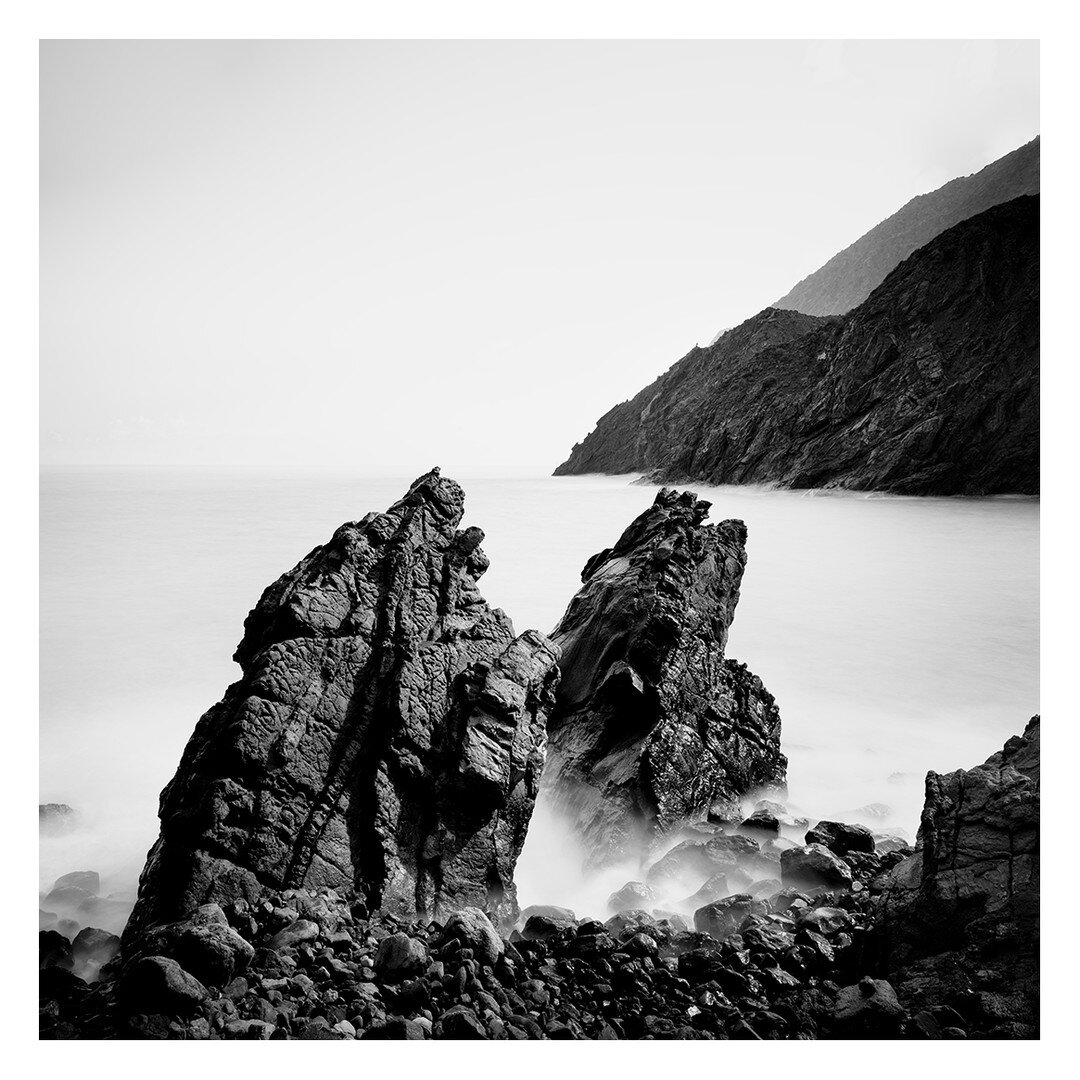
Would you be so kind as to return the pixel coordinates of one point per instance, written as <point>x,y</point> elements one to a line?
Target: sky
<point>384,255</point>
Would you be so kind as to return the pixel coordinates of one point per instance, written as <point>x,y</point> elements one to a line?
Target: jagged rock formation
<point>652,724</point>
<point>960,917</point>
<point>387,734</point>
<point>849,277</point>
<point>930,387</point>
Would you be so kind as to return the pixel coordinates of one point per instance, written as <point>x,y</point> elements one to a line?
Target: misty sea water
<point>897,634</point>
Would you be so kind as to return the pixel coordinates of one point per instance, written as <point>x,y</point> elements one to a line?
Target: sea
<point>898,635</point>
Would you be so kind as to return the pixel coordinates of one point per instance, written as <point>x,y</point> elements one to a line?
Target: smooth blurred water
<point>898,635</point>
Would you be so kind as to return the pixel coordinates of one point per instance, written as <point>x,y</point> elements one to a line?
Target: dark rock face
<point>928,387</point>
<point>960,917</point>
<point>841,838</point>
<point>849,277</point>
<point>387,733</point>
<point>812,867</point>
<point>652,724</point>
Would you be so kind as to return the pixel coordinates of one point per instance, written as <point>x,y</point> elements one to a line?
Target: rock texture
<point>387,734</point>
<point>960,917</point>
<point>653,725</point>
<point>849,277</point>
<point>929,387</point>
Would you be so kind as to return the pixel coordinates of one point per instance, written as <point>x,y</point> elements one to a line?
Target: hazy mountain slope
<point>849,277</point>
<point>928,387</point>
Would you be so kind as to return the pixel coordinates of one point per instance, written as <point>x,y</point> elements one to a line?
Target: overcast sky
<point>385,255</point>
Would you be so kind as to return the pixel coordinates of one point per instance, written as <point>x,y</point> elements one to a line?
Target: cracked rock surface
<point>653,725</point>
<point>961,915</point>
<point>386,735</point>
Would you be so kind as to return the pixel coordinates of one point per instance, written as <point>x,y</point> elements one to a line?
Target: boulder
<point>54,950</point>
<point>868,1010</point>
<point>722,918</point>
<point>475,931</point>
<point>459,1022</point>
<point>386,734</point>
<point>400,956</point>
<point>653,726</point>
<point>560,915</point>
<point>296,933</point>
<point>692,861</point>
<point>841,838</point>
<point>56,819</point>
<point>204,944</point>
<point>633,896</point>
<point>761,823</point>
<point>92,945</point>
<point>814,867</point>
<point>158,984</point>
<point>543,927</point>
<point>87,880</point>
<point>825,920</point>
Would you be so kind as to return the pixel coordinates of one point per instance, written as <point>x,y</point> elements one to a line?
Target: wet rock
<point>765,888</point>
<point>722,918</point>
<point>762,823</point>
<point>459,1022</point>
<point>387,732</point>
<point>841,838</point>
<point>96,946</point>
<point>473,929</point>
<point>691,860</point>
<point>400,956</point>
<point>87,880</point>
<point>826,920</point>
<point>540,927</point>
<point>203,944</point>
<point>633,896</point>
<point>297,932</point>
<point>652,725</point>
<point>159,984</point>
<point>812,867</point>
<point>54,950</point>
<point>560,915</point>
<point>715,888</point>
<point>868,1009</point>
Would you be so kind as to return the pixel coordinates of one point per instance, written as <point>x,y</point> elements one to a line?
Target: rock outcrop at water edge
<point>959,919</point>
<point>387,734</point>
<point>653,724</point>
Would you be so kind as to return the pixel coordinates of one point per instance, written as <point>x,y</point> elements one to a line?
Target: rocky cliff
<point>960,918</point>
<point>653,725</point>
<point>929,387</point>
<point>849,277</point>
<point>387,733</point>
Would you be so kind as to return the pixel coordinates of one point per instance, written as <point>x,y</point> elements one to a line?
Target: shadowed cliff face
<point>963,911</point>
<point>652,724</point>
<point>388,732</point>
<point>930,387</point>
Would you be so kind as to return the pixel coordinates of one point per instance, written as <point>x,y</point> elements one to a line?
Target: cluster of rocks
<point>389,731</point>
<point>74,903</point>
<point>338,845</point>
<point>800,955</point>
<point>786,960</point>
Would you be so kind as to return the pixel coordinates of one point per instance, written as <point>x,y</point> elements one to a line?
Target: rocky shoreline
<point>338,845</point>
